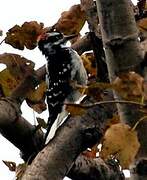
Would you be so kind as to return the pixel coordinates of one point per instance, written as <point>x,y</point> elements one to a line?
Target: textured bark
<point>120,35</point>
<point>122,50</point>
<point>89,7</point>
<point>23,135</point>
<point>56,159</point>
<point>19,131</point>
<point>93,169</point>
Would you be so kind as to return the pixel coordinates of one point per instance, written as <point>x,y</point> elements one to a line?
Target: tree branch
<point>19,131</point>
<point>78,133</point>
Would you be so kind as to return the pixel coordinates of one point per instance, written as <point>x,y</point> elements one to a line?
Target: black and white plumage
<point>63,66</point>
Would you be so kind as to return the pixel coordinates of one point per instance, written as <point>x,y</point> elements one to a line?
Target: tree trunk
<point>123,53</point>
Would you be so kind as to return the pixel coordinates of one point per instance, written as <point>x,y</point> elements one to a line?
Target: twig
<point>2,41</point>
<point>138,122</point>
<point>105,102</point>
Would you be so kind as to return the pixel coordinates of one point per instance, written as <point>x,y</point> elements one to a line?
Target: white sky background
<point>17,12</point>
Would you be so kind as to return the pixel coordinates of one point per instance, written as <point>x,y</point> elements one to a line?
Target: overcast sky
<point>17,12</point>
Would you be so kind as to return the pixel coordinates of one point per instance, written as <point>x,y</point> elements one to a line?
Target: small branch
<point>138,122</point>
<point>106,102</point>
<point>2,41</point>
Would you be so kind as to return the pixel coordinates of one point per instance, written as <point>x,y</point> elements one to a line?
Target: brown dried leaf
<point>11,165</point>
<point>72,21</point>
<point>39,107</point>
<point>142,24</point>
<point>75,110</point>
<point>89,64</point>
<point>18,66</point>
<point>129,86</point>
<point>122,142</point>
<point>95,90</point>
<point>7,82</point>
<point>25,35</point>
<point>114,120</point>
<point>37,94</point>
<point>36,98</point>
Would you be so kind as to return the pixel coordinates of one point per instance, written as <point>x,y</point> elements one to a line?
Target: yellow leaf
<point>122,142</point>
<point>7,82</point>
<point>17,68</point>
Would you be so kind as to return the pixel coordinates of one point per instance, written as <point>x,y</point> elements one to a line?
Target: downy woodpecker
<point>63,66</point>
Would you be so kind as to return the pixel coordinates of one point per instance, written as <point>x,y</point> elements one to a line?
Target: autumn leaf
<point>122,142</point>
<point>89,64</point>
<point>114,120</point>
<point>38,93</point>
<point>129,86</point>
<point>75,110</point>
<point>142,24</point>
<point>7,82</point>
<point>38,107</point>
<point>17,68</point>
<point>23,36</point>
<point>11,165</point>
<point>36,98</point>
<point>72,21</point>
<point>96,89</point>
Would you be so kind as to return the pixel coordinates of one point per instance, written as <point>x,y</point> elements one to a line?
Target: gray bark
<point>56,159</point>
<point>122,50</point>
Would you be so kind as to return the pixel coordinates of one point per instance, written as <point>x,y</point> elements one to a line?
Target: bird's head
<point>48,42</point>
